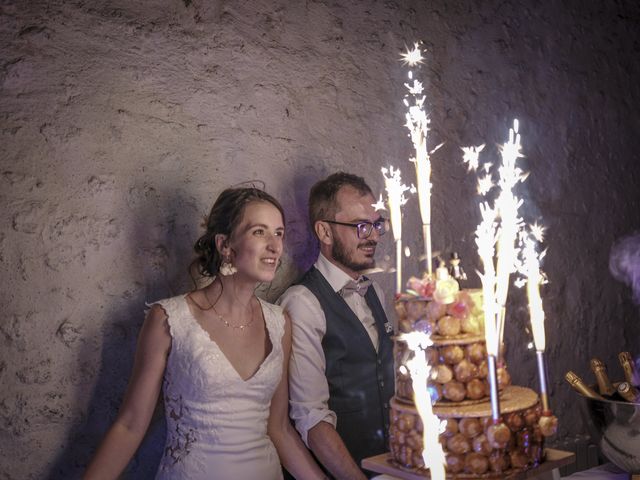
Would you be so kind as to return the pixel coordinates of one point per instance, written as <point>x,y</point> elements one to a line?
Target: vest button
<point>381,383</point>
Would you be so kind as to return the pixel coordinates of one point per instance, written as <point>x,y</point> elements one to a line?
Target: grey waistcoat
<point>360,379</point>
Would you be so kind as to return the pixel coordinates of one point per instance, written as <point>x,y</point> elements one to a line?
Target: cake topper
<point>455,269</point>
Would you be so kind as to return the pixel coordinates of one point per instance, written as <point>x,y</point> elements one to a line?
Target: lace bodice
<point>216,421</point>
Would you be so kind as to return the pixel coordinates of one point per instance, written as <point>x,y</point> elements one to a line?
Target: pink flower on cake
<point>461,307</point>
<point>422,287</point>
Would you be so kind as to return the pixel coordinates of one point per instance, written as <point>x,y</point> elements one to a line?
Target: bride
<point>220,355</point>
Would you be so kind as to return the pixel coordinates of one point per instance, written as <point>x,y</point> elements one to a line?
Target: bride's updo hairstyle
<point>225,216</point>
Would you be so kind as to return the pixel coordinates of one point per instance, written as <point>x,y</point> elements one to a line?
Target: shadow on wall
<point>160,250</point>
<point>301,247</point>
<point>303,243</point>
<point>118,349</point>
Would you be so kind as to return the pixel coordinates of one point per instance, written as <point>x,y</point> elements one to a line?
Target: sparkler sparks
<point>395,200</point>
<point>417,122</point>
<point>531,269</point>
<point>379,205</point>
<point>485,184</point>
<point>496,237</point>
<point>486,237</point>
<point>470,156</point>
<point>415,89</point>
<point>507,205</point>
<point>503,235</point>
<point>420,370</point>
<point>538,231</point>
<point>412,57</point>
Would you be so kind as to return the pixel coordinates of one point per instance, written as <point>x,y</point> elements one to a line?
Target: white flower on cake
<point>446,286</point>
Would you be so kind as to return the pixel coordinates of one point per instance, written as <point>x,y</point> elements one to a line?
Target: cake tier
<point>463,315</point>
<point>459,370</point>
<point>458,357</point>
<point>473,445</point>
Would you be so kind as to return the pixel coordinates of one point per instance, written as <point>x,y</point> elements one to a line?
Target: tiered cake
<point>474,445</point>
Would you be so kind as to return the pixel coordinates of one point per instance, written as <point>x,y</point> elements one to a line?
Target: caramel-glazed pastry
<point>474,445</point>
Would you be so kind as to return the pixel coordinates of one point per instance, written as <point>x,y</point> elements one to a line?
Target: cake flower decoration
<point>446,286</point>
<point>421,287</point>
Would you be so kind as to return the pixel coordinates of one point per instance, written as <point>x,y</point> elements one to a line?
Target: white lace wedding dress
<point>216,421</point>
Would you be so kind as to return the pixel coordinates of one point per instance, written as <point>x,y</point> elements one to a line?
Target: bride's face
<point>257,242</point>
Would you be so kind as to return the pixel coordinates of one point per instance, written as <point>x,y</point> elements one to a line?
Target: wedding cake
<point>473,443</point>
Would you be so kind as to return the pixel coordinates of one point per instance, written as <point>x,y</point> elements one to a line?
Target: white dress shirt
<point>308,387</point>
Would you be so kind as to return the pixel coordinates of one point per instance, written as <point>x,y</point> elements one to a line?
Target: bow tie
<point>359,286</point>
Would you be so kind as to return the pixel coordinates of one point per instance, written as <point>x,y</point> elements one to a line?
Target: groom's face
<point>352,253</point>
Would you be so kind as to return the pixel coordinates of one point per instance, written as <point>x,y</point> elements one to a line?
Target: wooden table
<point>549,468</point>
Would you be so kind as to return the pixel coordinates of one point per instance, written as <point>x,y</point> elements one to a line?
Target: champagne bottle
<point>605,387</point>
<point>629,367</point>
<point>629,392</point>
<point>579,386</point>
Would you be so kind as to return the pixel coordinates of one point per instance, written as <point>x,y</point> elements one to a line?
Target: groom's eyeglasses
<point>364,229</point>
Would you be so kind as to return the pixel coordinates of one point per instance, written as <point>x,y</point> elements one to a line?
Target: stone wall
<point>121,121</point>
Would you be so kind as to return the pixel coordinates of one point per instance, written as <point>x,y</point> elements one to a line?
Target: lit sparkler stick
<point>418,125</point>
<point>531,269</point>
<point>432,452</point>
<point>395,200</point>
<point>507,205</point>
<point>486,241</point>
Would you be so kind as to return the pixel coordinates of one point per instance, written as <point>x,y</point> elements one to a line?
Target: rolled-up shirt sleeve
<point>308,387</point>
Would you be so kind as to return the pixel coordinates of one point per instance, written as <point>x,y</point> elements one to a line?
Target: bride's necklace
<point>226,323</point>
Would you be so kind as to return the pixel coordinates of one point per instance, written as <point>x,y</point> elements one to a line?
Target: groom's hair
<point>322,197</point>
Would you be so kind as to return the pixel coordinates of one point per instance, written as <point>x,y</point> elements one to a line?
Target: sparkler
<point>432,452</point>
<point>486,238</point>
<point>506,205</point>
<point>395,200</point>
<point>510,223</point>
<point>418,125</point>
<point>531,269</point>
<point>496,237</point>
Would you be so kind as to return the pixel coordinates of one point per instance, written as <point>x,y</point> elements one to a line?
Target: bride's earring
<point>226,267</point>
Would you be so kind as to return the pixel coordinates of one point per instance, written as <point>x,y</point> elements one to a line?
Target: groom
<point>341,368</point>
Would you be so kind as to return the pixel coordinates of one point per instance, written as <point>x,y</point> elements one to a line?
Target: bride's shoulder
<point>168,303</point>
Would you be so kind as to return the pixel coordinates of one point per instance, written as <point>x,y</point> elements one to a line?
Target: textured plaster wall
<point>121,121</point>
